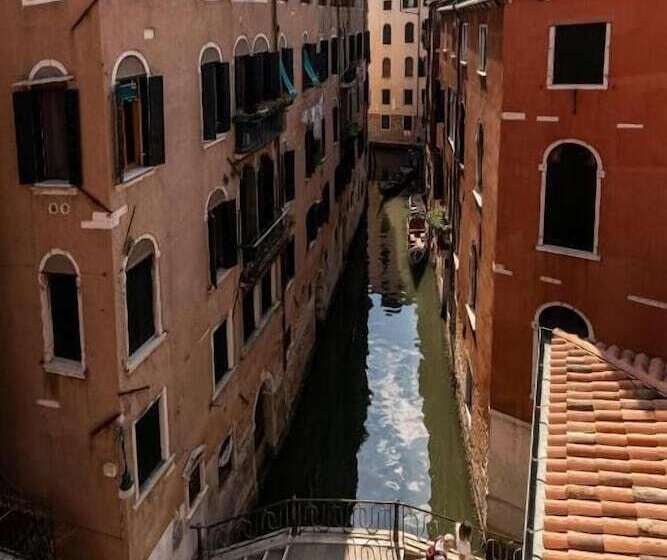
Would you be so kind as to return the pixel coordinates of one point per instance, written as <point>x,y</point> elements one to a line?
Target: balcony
<point>258,255</point>
<point>256,130</point>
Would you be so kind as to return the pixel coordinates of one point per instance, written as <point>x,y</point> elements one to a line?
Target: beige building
<point>180,182</point>
<point>397,71</point>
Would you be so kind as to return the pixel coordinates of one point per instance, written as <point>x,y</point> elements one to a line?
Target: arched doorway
<point>559,316</point>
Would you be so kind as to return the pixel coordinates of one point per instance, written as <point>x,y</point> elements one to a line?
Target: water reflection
<point>378,419</point>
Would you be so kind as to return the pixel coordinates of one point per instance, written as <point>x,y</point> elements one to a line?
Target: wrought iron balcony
<point>253,131</point>
<point>258,255</point>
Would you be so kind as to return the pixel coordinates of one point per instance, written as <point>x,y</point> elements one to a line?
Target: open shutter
<point>288,175</point>
<point>240,63</point>
<point>230,242</point>
<point>224,97</point>
<point>73,136</point>
<point>334,55</point>
<point>272,75</point>
<point>212,248</point>
<point>155,153</point>
<point>209,100</point>
<point>288,63</point>
<point>255,84</point>
<point>26,135</point>
<point>118,126</point>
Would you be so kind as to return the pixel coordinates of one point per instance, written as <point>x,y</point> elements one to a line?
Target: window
<point>464,43</point>
<point>141,295</point>
<point>195,482</point>
<point>223,351</point>
<point>260,419</point>
<point>565,318</point>
<point>310,62</point>
<point>384,122</point>
<point>225,460</point>
<point>215,94</point>
<point>479,176</point>
<point>313,148</point>
<point>386,5</point>
<point>481,63</point>
<point>472,278</point>
<point>579,55</point>
<point>248,314</point>
<point>409,32</point>
<point>386,68</point>
<point>151,445</point>
<point>287,62</point>
<point>386,34</point>
<point>249,216</point>
<point>334,55</point>
<point>256,76</point>
<point>386,96</point>
<point>407,4</point>
<point>409,67</point>
<point>59,279</point>
<point>323,60</point>
<point>421,65</point>
<point>289,185</point>
<point>266,199</point>
<point>312,224</point>
<point>571,198</point>
<point>407,97</point>
<point>222,241</point>
<point>288,262</point>
<point>48,141</point>
<point>407,123</point>
<point>451,115</point>
<point>469,392</point>
<point>139,119</point>
<point>266,292</point>
<point>461,134</point>
<point>334,119</point>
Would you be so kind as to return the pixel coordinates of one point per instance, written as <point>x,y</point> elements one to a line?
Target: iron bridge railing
<point>394,519</point>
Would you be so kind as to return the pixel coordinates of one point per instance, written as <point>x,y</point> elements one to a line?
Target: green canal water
<point>377,418</point>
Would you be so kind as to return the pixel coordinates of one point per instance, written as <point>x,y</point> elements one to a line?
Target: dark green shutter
<point>271,75</point>
<point>155,152</point>
<point>209,100</point>
<point>230,241</point>
<point>224,97</point>
<point>26,135</point>
<point>255,81</point>
<point>72,122</point>
<point>334,55</point>
<point>240,64</point>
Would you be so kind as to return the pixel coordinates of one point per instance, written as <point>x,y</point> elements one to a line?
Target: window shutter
<point>230,255</point>
<point>26,135</point>
<point>212,248</point>
<point>274,85</point>
<point>118,122</point>
<point>334,118</point>
<point>208,100</point>
<point>73,136</point>
<point>288,63</point>
<point>324,60</point>
<point>288,174</point>
<point>240,63</point>
<point>249,205</point>
<point>155,153</point>
<point>224,97</point>
<point>256,81</point>
<point>334,55</point>
<point>367,45</point>
<point>310,152</point>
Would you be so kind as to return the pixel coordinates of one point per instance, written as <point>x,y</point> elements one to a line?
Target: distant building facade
<point>397,71</point>
<point>180,184</point>
<point>549,172</point>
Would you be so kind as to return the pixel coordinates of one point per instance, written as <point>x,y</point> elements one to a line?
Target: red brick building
<point>545,154</point>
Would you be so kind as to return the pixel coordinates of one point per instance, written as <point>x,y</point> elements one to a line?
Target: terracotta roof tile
<point>605,488</point>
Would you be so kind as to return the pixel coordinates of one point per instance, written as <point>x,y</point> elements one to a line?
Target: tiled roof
<point>603,454</point>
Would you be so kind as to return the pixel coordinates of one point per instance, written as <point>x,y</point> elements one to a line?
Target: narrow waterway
<point>377,419</point>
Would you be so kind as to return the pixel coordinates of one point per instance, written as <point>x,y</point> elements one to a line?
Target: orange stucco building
<point>545,154</point>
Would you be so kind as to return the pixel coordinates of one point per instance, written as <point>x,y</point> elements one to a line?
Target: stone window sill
<point>478,197</point>
<point>152,481</point>
<point>223,383</point>
<point>206,144</point>
<point>586,255</point>
<point>134,176</point>
<point>197,503</point>
<point>220,276</point>
<point>65,367</point>
<point>259,329</point>
<point>144,351</point>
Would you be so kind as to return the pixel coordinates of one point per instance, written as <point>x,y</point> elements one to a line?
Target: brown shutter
<point>209,100</point>
<point>25,123</point>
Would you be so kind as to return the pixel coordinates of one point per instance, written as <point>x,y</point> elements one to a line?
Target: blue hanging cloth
<point>289,86</point>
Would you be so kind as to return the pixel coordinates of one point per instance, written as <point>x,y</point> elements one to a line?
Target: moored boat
<point>417,231</point>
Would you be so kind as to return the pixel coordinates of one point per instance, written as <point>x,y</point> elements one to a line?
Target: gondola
<point>417,231</point>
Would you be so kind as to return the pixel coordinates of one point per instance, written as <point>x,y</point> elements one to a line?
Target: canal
<point>377,418</point>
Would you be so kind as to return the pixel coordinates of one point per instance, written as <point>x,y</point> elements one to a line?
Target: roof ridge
<point>650,371</point>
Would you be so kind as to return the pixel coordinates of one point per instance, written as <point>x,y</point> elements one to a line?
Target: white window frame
<point>220,136</point>
<point>482,49</point>
<point>543,167</point>
<point>53,364</point>
<point>167,457</point>
<point>194,465</point>
<point>231,354</point>
<point>552,53</point>
<point>132,361</point>
<point>463,48</point>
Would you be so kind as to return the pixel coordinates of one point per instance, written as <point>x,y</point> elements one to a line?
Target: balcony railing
<point>259,254</point>
<point>253,131</point>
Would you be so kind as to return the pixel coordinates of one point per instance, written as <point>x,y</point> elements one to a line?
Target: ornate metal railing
<point>392,520</point>
<point>258,129</point>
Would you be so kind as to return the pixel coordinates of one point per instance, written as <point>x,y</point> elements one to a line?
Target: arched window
<point>62,314</point>
<point>142,295</point>
<point>479,177</point>
<point>409,67</point>
<point>409,32</point>
<point>215,93</point>
<point>386,34</point>
<point>571,192</point>
<point>566,318</point>
<point>386,68</point>
<point>222,240</point>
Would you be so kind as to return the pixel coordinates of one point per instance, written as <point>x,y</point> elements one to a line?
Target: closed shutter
<point>230,255</point>
<point>73,129</point>
<point>271,75</point>
<point>209,100</point>
<point>288,175</point>
<point>334,55</point>
<point>139,299</point>
<point>212,248</point>
<point>223,97</point>
<point>65,316</point>
<point>25,123</point>
<point>156,153</point>
<point>240,68</point>
<point>255,81</point>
